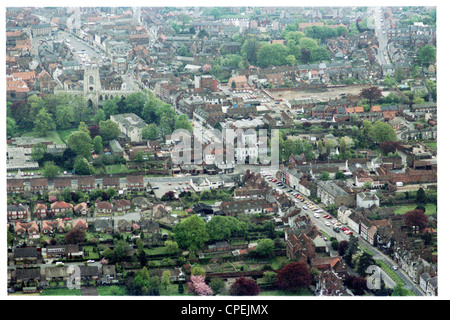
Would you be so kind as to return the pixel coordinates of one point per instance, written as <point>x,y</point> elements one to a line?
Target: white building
<point>367,199</point>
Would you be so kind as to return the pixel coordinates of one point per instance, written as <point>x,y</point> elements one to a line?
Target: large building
<point>130,125</point>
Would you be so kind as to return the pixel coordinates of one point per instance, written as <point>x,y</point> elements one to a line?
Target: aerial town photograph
<point>220,151</point>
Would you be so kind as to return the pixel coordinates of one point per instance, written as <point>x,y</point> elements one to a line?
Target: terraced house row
<point>77,183</point>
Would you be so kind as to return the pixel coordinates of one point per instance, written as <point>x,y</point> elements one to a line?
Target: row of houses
<point>81,183</point>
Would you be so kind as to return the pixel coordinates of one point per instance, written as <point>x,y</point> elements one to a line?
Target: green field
<point>432,145</point>
<point>430,209</point>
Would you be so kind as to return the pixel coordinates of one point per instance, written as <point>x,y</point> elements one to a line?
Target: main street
<point>340,236</point>
<point>381,28</point>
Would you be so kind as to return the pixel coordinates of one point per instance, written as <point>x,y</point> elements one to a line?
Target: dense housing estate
<point>341,101</point>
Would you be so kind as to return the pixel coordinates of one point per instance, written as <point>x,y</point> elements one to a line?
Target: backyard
<point>430,209</point>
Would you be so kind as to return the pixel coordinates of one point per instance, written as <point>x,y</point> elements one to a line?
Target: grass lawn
<point>61,292</point>
<point>155,251</point>
<point>429,207</point>
<point>117,168</point>
<point>278,262</point>
<point>111,291</point>
<point>89,253</point>
<point>390,272</point>
<point>432,145</point>
<point>64,134</point>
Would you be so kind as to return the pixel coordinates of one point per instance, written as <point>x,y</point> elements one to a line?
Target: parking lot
<point>161,188</point>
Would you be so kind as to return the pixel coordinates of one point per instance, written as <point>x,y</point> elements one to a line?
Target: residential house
<point>432,287</point>
<point>104,207</point>
<point>61,208</point>
<point>54,274</point>
<point>60,184</point>
<point>236,207</point>
<point>27,277</point>
<point>64,251</point>
<point>40,210</point>
<point>26,256</point>
<point>135,182</point>
<point>80,224</point>
<point>353,221</point>
<point>86,184</point>
<point>343,213</point>
<point>38,185</point>
<point>335,264</point>
<point>105,225</point>
<point>81,209</point>
<point>142,203</point>
<point>330,193</point>
<point>15,186</point>
<point>23,229</point>
<point>151,229</point>
<point>52,226</point>
<point>124,225</point>
<point>367,200</point>
<point>17,212</point>
<point>89,273</point>
<point>122,205</point>
<point>238,83</point>
<point>111,182</point>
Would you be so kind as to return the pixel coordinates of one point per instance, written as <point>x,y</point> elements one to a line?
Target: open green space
<point>430,208</point>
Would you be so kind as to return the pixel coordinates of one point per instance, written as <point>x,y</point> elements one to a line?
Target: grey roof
<point>332,188</point>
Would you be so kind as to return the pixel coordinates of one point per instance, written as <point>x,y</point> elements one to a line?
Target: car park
<point>327,223</point>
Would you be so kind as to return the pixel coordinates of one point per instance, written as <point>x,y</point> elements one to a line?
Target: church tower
<point>92,85</point>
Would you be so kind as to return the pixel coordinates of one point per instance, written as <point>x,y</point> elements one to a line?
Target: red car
<point>344,229</point>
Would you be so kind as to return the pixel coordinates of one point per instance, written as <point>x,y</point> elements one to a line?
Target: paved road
<point>377,255</point>
<point>381,28</point>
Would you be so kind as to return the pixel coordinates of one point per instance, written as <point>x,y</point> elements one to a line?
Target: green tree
<point>50,169</point>
<point>191,233</point>
<point>319,54</point>
<point>290,60</point>
<point>109,130</point>
<point>364,262</point>
<point>80,142</point>
<point>427,54</point>
<point>381,131</point>
<point>399,291</point>
<point>150,132</point>
<point>324,176</point>
<point>110,107</point>
<point>171,247</point>
<point>82,166</point>
<point>43,123</point>
<point>182,122</point>
<point>64,116</point>
<point>165,279</point>
<point>249,50</point>
<point>99,116</point>
<point>11,126</point>
<point>272,54</point>
<point>97,144</point>
<point>38,151</point>
<point>265,248</point>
